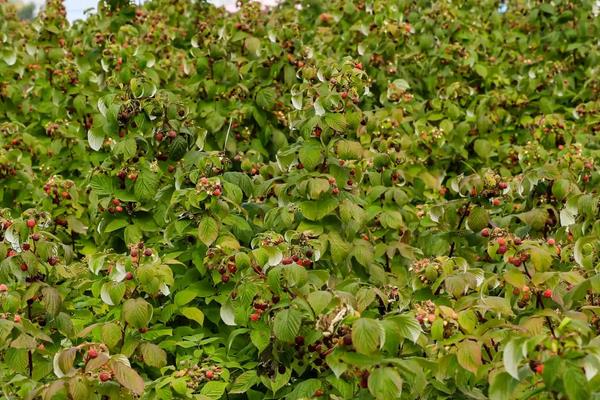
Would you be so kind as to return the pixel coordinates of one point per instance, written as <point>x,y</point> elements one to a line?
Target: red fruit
<point>35,237</point>
<point>24,267</point>
<point>159,136</point>
<point>11,253</point>
<point>171,168</point>
<point>3,288</point>
<point>299,340</point>
<point>17,318</point>
<point>501,241</point>
<point>501,250</point>
<point>209,374</point>
<point>65,195</point>
<point>539,369</point>
<point>364,382</point>
<point>551,242</point>
<point>129,276</point>
<point>172,134</point>
<point>143,330</point>
<point>496,202</point>
<point>133,252</point>
<point>232,268</point>
<point>485,232</point>
<point>348,340</point>
<point>525,289</point>
<point>104,376</point>
<point>516,291</point>
<point>335,191</point>
<point>119,209</point>
<point>132,176</point>
<point>344,95</point>
<point>31,223</point>
<point>503,185</point>
<point>318,393</point>
<point>518,241</point>
<point>331,181</point>
<point>92,353</point>
<point>300,166</point>
<point>6,224</point>
<point>116,202</point>
<point>295,258</point>
<point>287,260</point>
<point>547,293</point>
<point>52,260</point>
<point>358,66</point>
<point>515,261</point>
<point>255,317</point>
<point>148,252</point>
<point>225,278</point>
<point>217,192</point>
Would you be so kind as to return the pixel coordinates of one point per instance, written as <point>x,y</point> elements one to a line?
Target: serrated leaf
<point>367,335</point>
<point>208,230</point>
<point>286,324</point>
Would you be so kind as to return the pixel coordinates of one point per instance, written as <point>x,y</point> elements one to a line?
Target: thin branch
<point>460,222</point>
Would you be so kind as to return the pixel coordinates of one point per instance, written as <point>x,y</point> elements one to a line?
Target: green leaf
<point>286,324</point>
<point>111,334</point>
<point>152,355</point>
<point>367,335</point>
<point>193,313</point>
<point>469,355</point>
<point>576,386</point>
<point>146,185</point>
<point>126,376</point>
<point>316,210</point>
<point>213,390</point>
<point>337,122</point>
<point>310,155</point>
<point>244,382</point>
<point>385,383</point>
<point>512,357</point>
<point>502,386</point>
<point>266,97</point>
<point>208,230</point>
<point>137,312</point>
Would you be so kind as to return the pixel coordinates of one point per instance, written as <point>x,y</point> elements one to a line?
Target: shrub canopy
<point>348,199</point>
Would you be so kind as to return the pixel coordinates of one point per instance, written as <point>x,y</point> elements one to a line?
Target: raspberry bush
<point>342,199</point>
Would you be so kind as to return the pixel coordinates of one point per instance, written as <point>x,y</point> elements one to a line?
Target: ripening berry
<point>31,223</point>
<point>148,252</point>
<point>501,250</point>
<point>17,318</point>
<point>551,242</point>
<point>335,191</point>
<point>159,136</point>
<point>133,252</point>
<point>496,202</point>
<point>539,369</point>
<point>358,66</point>
<point>104,376</point>
<point>547,293</point>
<point>287,260</point>
<point>225,278</point>
<point>119,209</point>
<point>3,288</point>
<point>255,317</point>
<point>24,267</point>
<point>116,202</point>
<point>92,353</point>
<point>11,253</point>
<point>485,232</point>
<point>501,241</point>
<point>299,340</point>
<point>217,192</point>
<point>502,185</point>
<point>35,237</point>
<point>209,374</point>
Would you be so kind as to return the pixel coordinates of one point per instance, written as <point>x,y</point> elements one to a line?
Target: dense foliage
<point>338,199</point>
